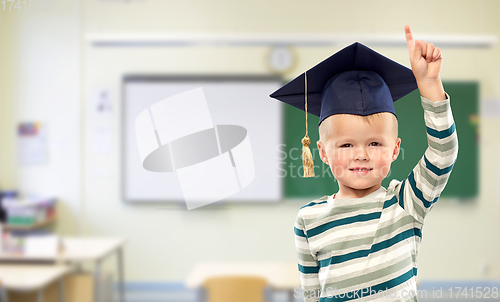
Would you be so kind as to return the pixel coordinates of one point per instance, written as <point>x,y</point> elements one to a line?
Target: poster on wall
<point>32,143</point>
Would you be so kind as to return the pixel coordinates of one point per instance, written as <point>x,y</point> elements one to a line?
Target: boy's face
<point>353,143</point>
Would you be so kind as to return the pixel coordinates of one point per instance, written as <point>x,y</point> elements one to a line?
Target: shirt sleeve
<point>308,263</point>
<point>418,193</point>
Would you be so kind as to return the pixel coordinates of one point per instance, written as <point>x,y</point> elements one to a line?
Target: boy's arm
<point>424,185</point>
<point>422,188</point>
<point>308,264</point>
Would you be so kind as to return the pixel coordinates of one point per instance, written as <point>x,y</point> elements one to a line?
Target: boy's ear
<point>322,151</point>
<point>397,147</point>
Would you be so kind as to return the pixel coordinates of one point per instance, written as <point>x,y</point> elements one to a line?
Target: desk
<point>280,275</point>
<point>26,278</point>
<point>79,249</point>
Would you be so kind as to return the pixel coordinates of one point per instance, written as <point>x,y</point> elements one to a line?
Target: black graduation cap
<point>355,80</point>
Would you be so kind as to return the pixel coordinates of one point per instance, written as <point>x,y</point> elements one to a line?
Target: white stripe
<point>356,230</point>
<point>380,257</point>
<point>437,122</point>
<point>368,270</point>
<point>377,281</point>
<point>441,159</point>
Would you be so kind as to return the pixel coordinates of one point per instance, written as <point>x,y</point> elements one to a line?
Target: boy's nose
<point>361,154</point>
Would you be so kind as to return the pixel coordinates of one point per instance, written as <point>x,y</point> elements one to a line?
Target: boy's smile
<point>358,153</point>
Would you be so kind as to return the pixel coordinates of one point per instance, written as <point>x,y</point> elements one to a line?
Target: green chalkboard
<point>463,181</point>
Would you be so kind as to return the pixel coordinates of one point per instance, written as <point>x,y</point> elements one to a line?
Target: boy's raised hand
<point>426,63</point>
<point>425,59</point>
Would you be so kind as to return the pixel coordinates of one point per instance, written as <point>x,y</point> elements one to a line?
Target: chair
<point>235,289</point>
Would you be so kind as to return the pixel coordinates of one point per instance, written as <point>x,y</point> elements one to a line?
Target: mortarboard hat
<point>355,80</point>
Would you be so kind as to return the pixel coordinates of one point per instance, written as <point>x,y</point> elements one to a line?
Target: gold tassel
<point>307,160</point>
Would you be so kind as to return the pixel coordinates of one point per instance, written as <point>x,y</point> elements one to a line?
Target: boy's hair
<point>386,117</point>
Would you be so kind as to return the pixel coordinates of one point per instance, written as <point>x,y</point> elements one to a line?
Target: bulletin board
<point>231,100</point>
<point>463,181</point>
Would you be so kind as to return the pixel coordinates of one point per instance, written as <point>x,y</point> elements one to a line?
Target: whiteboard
<point>231,100</point>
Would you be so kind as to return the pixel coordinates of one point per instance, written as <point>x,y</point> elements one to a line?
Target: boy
<point>361,243</point>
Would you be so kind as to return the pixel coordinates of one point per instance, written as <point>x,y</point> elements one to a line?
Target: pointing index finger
<point>409,40</point>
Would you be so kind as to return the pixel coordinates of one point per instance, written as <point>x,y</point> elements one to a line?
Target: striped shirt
<point>365,249</point>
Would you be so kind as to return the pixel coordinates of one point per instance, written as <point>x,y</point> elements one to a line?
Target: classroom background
<point>55,62</point>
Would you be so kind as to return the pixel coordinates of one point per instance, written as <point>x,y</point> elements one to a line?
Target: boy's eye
<point>349,145</point>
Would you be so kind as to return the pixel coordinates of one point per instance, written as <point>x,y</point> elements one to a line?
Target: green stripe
<point>305,257</point>
<point>390,202</point>
<point>365,291</point>
<point>416,206</point>
<point>441,134</point>
<point>435,182</point>
<point>443,147</point>
<point>405,220</point>
<point>384,245</point>
<point>339,246</point>
<point>299,232</point>
<point>420,211</point>
<point>438,171</point>
<point>343,210</point>
<point>322,200</point>
<point>308,269</point>
<point>418,193</point>
<point>436,109</point>
<point>372,275</point>
<point>342,221</point>
<point>401,194</point>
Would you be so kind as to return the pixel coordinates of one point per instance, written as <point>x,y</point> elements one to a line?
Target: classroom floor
<point>161,292</point>
<point>158,293</point>
<point>155,293</point>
